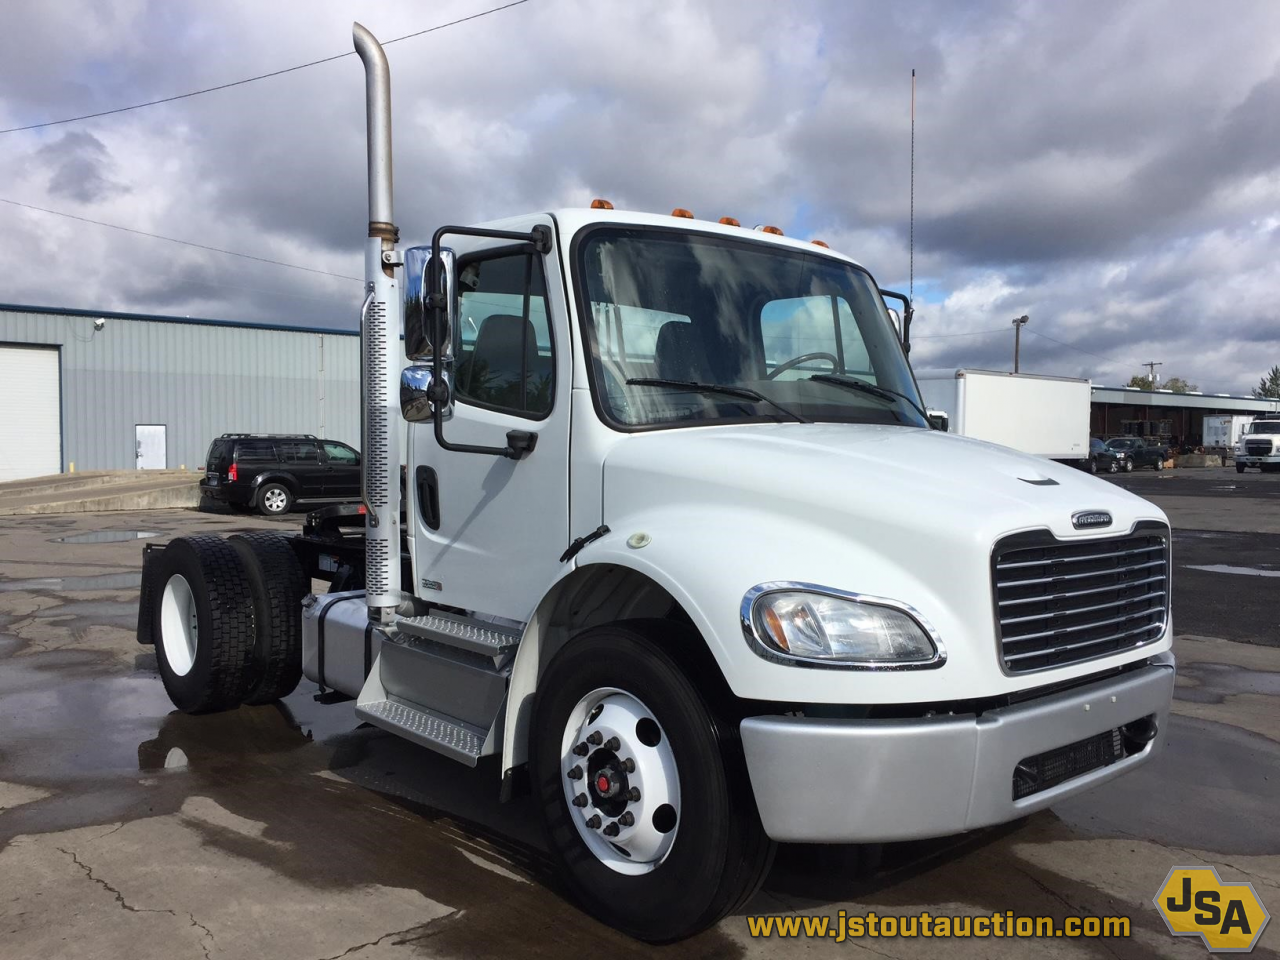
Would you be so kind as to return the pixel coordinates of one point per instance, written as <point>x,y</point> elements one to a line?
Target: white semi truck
<point>1044,416</point>
<point>679,548</point>
<point>1259,445</point>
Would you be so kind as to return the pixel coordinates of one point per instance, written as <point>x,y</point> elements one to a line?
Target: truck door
<point>341,471</point>
<point>501,524</point>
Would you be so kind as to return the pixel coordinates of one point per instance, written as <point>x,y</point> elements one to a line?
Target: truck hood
<point>887,476</point>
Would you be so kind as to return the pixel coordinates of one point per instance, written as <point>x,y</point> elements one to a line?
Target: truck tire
<point>1093,465</point>
<point>1239,468</point>
<point>202,611</point>
<point>1112,467</point>
<point>278,584</point>
<point>274,500</point>
<point>613,696</point>
<point>1128,466</point>
<point>1159,464</point>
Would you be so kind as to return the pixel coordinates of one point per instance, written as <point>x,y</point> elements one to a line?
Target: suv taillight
<point>231,473</point>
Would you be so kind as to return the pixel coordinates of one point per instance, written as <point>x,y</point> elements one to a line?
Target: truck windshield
<point>1271,426</point>
<point>669,314</point>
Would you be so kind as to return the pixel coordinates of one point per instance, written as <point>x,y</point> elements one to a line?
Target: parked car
<point>1103,460</point>
<point>1140,452</point>
<point>272,472</point>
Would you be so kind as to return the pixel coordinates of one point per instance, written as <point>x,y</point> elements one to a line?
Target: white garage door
<point>30,413</point>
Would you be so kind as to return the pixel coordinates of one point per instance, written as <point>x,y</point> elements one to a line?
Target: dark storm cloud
<point>1108,168</point>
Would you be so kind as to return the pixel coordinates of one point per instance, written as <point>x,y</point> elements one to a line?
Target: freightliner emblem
<point>1088,519</point>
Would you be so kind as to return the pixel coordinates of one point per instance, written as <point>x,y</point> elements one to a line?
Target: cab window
<point>503,341</point>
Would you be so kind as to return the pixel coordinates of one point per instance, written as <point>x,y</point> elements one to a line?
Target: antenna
<point>911,221</point>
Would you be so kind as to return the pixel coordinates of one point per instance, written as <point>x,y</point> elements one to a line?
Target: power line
<point>1072,346</point>
<point>185,243</point>
<point>971,333</point>
<point>261,76</point>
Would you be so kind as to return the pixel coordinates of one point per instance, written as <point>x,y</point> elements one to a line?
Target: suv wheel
<point>274,499</point>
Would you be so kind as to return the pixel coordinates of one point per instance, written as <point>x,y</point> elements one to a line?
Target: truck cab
<point>682,554</point>
<point>1259,445</point>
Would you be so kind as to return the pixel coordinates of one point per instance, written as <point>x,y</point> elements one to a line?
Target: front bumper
<point>857,781</point>
<point>1253,460</point>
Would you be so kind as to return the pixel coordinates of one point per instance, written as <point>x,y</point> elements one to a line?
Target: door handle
<point>428,485</point>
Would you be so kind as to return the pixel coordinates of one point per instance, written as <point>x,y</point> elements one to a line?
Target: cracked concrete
<point>131,832</point>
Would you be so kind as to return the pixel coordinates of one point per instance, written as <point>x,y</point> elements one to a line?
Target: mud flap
<point>150,554</point>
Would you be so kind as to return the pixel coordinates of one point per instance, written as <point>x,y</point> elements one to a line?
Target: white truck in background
<point>681,554</point>
<point>1043,416</point>
<point>1221,432</point>
<point>1259,445</point>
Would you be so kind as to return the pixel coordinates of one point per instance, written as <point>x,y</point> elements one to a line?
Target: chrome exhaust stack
<point>380,325</point>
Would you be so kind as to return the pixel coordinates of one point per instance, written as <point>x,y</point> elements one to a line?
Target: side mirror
<point>939,420</point>
<point>419,335</point>
<point>415,400</point>
<point>896,317</point>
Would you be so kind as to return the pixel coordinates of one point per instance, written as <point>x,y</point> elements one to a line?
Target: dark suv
<point>272,472</point>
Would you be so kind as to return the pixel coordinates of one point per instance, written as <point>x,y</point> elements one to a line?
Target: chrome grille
<point>1258,448</point>
<point>1061,602</point>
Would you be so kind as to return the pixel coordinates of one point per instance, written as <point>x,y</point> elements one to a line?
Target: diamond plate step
<point>479,637</point>
<point>434,731</point>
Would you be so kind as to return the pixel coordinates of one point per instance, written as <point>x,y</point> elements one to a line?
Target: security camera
<point>99,323</point>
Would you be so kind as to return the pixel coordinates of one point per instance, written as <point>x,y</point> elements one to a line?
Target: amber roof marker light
<point>730,222</point>
<point>764,228</point>
<point>821,243</point>
<point>598,204</point>
<point>683,213</point>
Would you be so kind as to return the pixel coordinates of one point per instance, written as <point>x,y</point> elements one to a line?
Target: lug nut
<point>581,750</point>
<point>633,795</point>
<point>611,830</point>
<point>629,765</point>
<point>593,822</point>
<point>612,743</point>
<point>580,800</point>
<point>627,819</point>
<point>595,738</point>
<point>575,773</point>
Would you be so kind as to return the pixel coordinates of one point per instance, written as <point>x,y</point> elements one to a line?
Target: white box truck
<point>1222,432</point>
<point>1043,416</point>
<point>681,554</point>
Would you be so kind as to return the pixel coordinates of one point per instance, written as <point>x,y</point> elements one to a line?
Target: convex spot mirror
<point>415,399</point>
<point>896,317</point>
<point>419,321</point>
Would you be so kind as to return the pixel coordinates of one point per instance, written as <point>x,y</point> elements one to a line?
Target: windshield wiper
<point>871,389</point>
<point>742,393</point>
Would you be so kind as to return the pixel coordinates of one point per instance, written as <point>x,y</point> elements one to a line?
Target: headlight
<point>837,628</point>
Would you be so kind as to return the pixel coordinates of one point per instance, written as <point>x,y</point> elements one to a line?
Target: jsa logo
<point>1228,917</point>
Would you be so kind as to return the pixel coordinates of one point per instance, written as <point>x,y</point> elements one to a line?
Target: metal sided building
<point>120,391</point>
<point>1173,417</point>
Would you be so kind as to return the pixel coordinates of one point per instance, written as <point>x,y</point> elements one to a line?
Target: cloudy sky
<point>1112,170</point>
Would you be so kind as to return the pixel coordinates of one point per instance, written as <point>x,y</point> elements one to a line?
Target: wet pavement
<point>128,830</point>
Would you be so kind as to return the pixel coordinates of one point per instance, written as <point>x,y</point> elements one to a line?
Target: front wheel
<point>1093,466</point>
<point>1113,468</point>
<point>1239,468</point>
<point>1128,466</point>
<point>643,787</point>
<point>1159,465</point>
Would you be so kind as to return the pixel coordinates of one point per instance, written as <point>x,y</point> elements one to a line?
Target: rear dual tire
<point>226,620</point>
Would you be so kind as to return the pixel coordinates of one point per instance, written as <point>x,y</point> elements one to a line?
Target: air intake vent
<point>1062,602</point>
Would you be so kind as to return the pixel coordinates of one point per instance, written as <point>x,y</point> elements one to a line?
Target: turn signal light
<point>820,243</point>
<point>682,212</point>
<point>598,204</point>
<point>774,230</point>
<point>232,473</point>
<point>730,222</point>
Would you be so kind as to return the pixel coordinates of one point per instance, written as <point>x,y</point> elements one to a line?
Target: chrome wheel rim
<point>620,781</point>
<point>179,626</point>
<point>275,500</point>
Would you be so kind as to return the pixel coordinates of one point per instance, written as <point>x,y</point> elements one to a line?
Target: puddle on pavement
<point>1228,568</point>
<point>1213,682</point>
<point>102,581</point>
<point>106,536</point>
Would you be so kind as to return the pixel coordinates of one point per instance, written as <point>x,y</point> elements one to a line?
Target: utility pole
<point>1151,371</point>
<point>1018,324</point>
